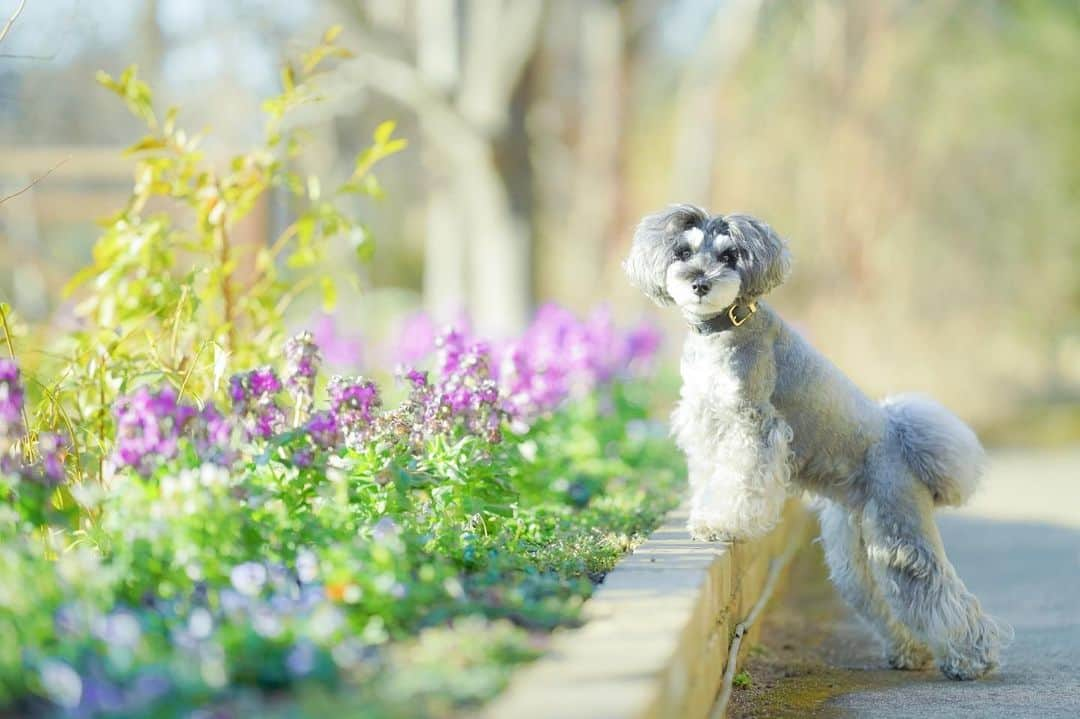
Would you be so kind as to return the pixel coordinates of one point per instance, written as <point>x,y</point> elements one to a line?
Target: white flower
<point>61,683</point>
<point>212,475</point>
<point>325,620</point>
<point>120,629</point>
<point>301,659</point>
<point>248,578</point>
<point>307,566</point>
<point>200,623</point>
<point>528,450</point>
<point>385,528</point>
<point>266,623</point>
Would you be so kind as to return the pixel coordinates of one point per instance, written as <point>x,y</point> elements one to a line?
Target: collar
<point>734,316</point>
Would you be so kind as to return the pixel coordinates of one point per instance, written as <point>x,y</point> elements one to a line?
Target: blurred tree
<point>463,108</point>
<point>697,132</point>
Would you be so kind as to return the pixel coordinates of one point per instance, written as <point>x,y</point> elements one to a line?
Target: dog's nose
<point>700,287</point>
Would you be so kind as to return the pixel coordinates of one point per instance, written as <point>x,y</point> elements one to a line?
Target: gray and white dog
<point>762,415</point>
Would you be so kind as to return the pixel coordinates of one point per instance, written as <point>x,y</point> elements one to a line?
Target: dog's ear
<point>764,259</point>
<point>653,248</point>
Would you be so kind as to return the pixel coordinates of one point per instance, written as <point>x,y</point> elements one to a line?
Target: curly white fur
<point>738,458</point>
<point>763,415</point>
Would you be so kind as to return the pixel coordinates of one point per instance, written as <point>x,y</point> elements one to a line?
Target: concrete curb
<point>658,630</point>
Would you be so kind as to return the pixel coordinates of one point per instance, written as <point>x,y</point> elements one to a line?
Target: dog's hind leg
<point>908,561</point>
<point>849,570</point>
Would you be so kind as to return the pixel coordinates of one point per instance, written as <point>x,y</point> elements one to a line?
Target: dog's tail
<point>939,448</point>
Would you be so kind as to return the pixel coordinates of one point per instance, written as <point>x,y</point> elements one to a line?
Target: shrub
<point>397,556</point>
<point>195,540</point>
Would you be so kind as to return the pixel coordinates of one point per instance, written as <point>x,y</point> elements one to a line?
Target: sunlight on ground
<point>1029,485</point>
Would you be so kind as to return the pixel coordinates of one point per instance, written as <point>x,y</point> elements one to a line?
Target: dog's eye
<point>683,255</point>
<point>728,257</point>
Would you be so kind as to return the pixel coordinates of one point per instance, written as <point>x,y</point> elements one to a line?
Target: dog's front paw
<point>909,656</point>
<point>976,655</point>
<point>965,667</point>
<point>703,531</point>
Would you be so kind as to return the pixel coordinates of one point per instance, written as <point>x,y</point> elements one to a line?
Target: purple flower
<point>352,402</point>
<point>254,402</point>
<point>302,361</point>
<point>148,427</point>
<point>417,379</point>
<point>264,381</point>
<point>559,355</point>
<point>53,449</point>
<point>323,430</point>
<point>338,350</point>
<point>416,339</point>
<point>642,343</point>
<point>237,390</point>
<point>212,434</point>
<point>303,458</point>
<point>465,392</point>
<point>11,401</point>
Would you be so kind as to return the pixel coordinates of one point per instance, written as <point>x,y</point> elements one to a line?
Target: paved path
<point>1017,546</point>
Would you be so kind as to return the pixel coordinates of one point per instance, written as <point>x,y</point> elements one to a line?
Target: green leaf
<point>384,131</point>
<point>362,244</point>
<point>150,142</point>
<point>106,80</point>
<point>393,146</point>
<point>288,77</point>
<point>221,366</point>
<point>170,120</point>
<point>371,187</point>
<point>329,293</point>
<point>305,229</point>
<point>80,277</point>
<point>301,258</point>
<point>331,34</point>
<point>314,189</point>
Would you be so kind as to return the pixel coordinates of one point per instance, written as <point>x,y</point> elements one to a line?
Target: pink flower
<point>337,349</point>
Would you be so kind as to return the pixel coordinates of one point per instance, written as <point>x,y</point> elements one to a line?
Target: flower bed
<point>281,558</point>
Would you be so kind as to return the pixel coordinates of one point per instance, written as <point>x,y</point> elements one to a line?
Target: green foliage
<point>427,571</point>
<point>742,680</point>
<point>172,293</point>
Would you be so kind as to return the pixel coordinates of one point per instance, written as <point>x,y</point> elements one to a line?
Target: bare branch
<point>39,58</point>
<point>36,180</point>
<point>11,20</point>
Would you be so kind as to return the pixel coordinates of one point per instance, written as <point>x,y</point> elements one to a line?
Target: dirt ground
<point>811,649</point>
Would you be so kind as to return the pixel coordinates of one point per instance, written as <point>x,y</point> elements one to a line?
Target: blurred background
<point>922,158</point>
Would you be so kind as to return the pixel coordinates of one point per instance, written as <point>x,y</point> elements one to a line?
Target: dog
<point>763,416</point>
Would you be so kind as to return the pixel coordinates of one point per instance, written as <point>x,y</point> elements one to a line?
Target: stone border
<point>658,630</point>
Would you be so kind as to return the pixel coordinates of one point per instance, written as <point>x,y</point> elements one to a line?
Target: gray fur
<point>654,247</point>
<point>765,260</point>
<point>762,415</point>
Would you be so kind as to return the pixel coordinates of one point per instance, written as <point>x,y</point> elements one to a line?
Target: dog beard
<point>723,290</point>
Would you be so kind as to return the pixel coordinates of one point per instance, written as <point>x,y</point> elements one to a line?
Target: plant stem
<point>11,353</point>
<point>226,286</point>
<point>59,411</point>
<point>101,423</point>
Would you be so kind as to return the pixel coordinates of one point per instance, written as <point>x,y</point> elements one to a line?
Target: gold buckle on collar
<point>735,321</point>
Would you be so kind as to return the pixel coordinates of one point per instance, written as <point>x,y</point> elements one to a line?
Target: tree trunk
<point>696,135</point>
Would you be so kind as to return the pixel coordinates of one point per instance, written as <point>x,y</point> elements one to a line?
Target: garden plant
<point>194,521</point>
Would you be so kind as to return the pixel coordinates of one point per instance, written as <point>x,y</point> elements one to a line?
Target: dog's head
<point>704,263</point>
